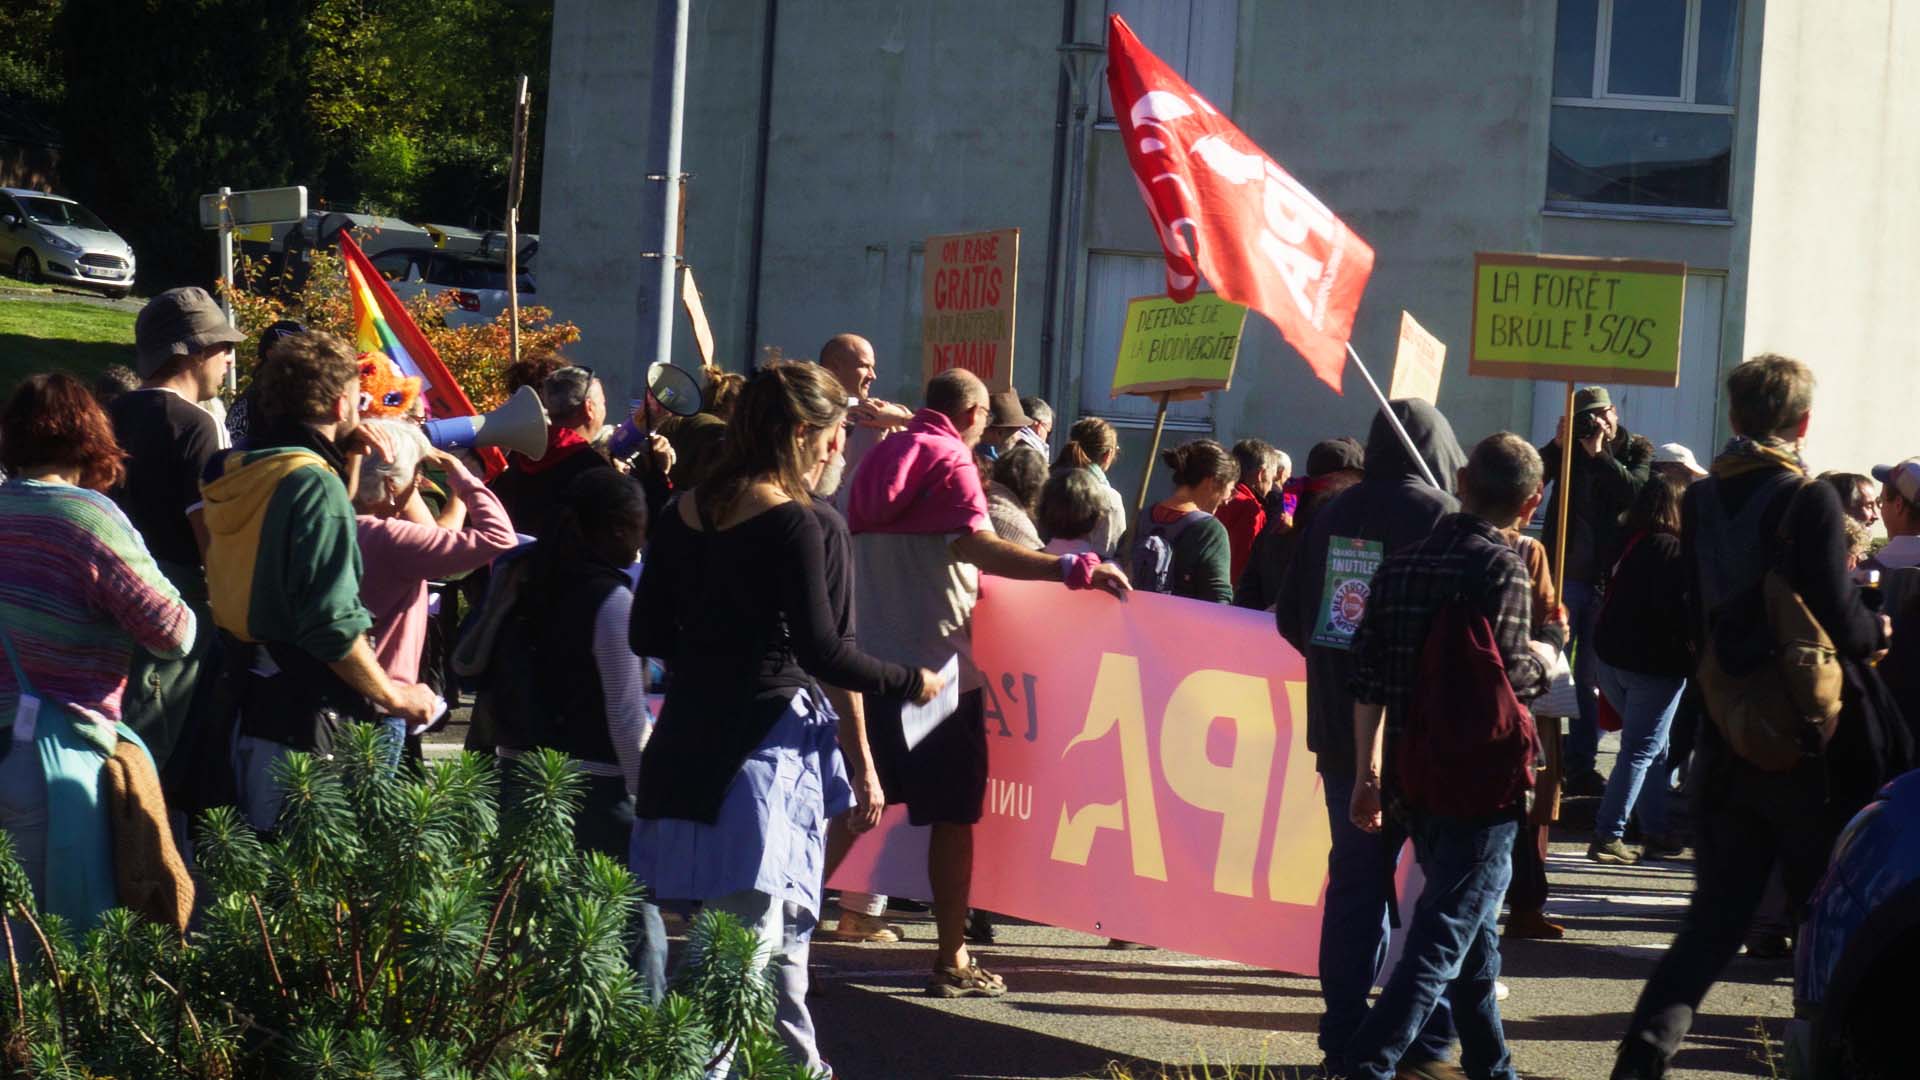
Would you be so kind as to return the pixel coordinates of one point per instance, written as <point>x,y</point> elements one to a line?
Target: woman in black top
<point>743,770</point>
<point>1640,639</point>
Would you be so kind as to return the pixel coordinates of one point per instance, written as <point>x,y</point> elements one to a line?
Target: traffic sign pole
<point>226,271</point>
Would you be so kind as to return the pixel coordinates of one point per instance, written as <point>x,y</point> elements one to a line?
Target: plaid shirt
<point>1464,556</point>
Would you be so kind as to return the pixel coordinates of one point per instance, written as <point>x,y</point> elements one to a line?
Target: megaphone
<point>674,388</point>
<point>520,424</point>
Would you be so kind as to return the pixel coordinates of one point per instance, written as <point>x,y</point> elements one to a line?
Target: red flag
<point>382,324</point>
<point>1225,210</point>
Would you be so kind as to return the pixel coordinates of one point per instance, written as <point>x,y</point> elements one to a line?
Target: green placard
<point>1168,346</point>
<point>1351,563</point>
<point>1564,317</point>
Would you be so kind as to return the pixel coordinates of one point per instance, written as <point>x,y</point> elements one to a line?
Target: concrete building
<point>1768,144</point>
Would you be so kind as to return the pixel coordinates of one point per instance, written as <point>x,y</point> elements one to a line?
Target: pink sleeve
<point>406,549</point>
<point>486,517</point>
<point>956,493</point>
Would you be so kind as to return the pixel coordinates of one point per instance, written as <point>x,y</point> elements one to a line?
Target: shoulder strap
<point>13,658</point>
<point>1174,529</point>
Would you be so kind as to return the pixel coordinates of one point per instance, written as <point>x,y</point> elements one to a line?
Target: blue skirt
<point>771,832</point>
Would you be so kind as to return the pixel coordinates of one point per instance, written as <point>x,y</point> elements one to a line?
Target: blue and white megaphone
<point>520,424</point>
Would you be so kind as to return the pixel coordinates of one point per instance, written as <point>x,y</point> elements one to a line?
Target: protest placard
<point>1565,317</point>
<point>1170,346</point>
<point>1152,783</point>
<point>1417,363</point>
<point>967,305</point>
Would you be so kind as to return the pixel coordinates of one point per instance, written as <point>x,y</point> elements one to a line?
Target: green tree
<point>29,65</point>
<point>167,101</point>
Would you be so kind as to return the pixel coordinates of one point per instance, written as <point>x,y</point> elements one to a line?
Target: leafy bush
<point>477,355</point>
<point>389,166</point>
<point>396,926</point>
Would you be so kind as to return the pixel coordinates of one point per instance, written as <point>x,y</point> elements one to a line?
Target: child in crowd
<point>1071,505</point>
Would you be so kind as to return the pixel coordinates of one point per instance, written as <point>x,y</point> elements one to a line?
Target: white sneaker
<point>1500,990</point>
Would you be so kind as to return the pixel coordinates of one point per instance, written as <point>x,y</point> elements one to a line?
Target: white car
<point>52,238</point>
<point>478,285</point>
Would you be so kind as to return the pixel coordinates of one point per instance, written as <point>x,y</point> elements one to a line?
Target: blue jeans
<point>394,731</point>
<point>1452,953</point>
<point>1353,932</point>
<point>1583,735</point>
<point>1641,779</point>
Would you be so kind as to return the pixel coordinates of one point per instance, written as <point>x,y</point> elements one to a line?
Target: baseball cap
<point>1332,455</point>
<point>1004,411</point>
<point>178,322</point>
<point>1591,398</point>
<point>1903,478</point>
<point>277,333</point>
<point>1675,454</point>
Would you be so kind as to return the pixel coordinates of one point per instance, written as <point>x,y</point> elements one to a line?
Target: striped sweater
<point>77,590</point>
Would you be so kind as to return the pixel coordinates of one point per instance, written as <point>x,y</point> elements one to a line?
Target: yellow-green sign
<point>1577,319</point>
<point>1169,347</point>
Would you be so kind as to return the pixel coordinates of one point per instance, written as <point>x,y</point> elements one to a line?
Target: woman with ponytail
<point>1093,446</point>
<point>744,769</point>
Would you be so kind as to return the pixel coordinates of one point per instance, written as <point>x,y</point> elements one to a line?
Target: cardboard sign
<point>1575,319</point>
<point>1417,363</point>
<point>1343,597</point>
<point>1151,783</point>
<point>1170,346</point>
<point>696,315</point>
<point>967,305</point>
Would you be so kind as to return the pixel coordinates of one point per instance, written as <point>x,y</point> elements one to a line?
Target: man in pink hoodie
<point>922,537</point>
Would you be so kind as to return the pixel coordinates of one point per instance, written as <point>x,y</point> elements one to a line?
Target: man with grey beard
<point>869,800</point>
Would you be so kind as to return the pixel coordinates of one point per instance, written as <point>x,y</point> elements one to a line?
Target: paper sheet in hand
<point>918,721</point>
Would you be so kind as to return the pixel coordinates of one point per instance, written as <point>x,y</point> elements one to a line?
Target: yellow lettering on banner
<point>1237,791</point>
<point>1299,862</point>
<point>1115,705</point>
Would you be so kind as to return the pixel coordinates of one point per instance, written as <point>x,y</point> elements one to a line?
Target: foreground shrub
<point>397,926</point>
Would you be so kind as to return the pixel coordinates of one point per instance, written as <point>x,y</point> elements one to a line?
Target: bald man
<point>921,539</point>
<point>869,419</point>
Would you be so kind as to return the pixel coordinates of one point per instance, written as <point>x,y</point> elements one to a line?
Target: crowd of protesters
<point>185,602</point>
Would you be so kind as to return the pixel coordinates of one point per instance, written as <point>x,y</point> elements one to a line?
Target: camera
<point>1587,425</point>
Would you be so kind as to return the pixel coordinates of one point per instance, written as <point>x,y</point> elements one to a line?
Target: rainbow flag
<point>382,324</point>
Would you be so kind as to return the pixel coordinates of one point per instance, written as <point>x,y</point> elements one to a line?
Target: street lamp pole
<point>1085,62</point>
<point>663,160</point>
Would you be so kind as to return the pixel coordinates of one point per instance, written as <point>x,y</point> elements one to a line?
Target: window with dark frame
<point>1643,106</point>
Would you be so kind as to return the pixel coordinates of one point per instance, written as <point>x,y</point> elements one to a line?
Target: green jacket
<point>282,561</point>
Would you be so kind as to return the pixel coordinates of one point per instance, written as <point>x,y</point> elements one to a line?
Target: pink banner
<point>1150,779</point>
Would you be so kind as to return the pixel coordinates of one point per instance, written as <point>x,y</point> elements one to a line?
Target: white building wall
<point>1836,219</point>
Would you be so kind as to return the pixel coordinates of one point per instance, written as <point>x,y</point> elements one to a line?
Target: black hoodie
<point>1394,506</point>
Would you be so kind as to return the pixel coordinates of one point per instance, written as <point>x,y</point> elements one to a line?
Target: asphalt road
<point>1077,1007</point>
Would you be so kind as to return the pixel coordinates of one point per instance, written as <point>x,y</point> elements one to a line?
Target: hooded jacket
<point>1393,506</point>
<point>282,562</point>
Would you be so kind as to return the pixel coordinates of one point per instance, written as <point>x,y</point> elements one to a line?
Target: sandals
<point>865,929</point>
<point>970,981</point>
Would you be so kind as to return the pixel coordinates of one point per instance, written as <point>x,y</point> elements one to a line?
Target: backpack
<point>1151,566</point>
<point>1467,747</point>
<point>1769,674</point>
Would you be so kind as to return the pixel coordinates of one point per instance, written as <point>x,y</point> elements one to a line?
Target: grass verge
<point>60,335</point>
